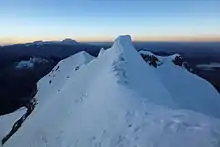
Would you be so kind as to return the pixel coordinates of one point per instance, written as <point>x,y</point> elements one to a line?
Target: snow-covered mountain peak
<point>123,42</point>
<point>119,100</point>
<point>127,63</point>
<point>124,50</point>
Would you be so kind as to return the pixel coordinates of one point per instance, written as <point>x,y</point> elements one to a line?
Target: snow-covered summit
<point>118,100</point>
<point>123,42</point>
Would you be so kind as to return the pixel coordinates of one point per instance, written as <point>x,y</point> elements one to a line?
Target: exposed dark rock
<point>77,68</point>
<point>57,68</point>
<point>30,105</point>
<point>178,60</point>
<point>151,59</point>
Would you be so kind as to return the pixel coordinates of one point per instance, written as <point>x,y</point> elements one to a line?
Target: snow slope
<point>188,91</point>
<point>115,100</point>
<point>52,83</point>
<point>7,121</point>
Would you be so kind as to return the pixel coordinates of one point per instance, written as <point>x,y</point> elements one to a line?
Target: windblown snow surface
<point>118,100</point>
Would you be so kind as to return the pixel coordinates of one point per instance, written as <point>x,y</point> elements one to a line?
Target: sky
<point>103,20</point>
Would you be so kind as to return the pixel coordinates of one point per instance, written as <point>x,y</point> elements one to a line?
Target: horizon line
<point>11,41</point>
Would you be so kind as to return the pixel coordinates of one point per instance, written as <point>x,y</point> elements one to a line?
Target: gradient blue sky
<point>102,20</point>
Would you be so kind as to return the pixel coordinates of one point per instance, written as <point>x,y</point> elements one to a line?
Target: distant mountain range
<point>45,49</point>
<point>66,41</point>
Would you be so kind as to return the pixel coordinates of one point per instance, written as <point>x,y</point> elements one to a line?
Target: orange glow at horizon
<point>10,40</point>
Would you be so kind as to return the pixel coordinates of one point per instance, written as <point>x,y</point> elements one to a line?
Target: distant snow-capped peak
<point>66,41</point>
